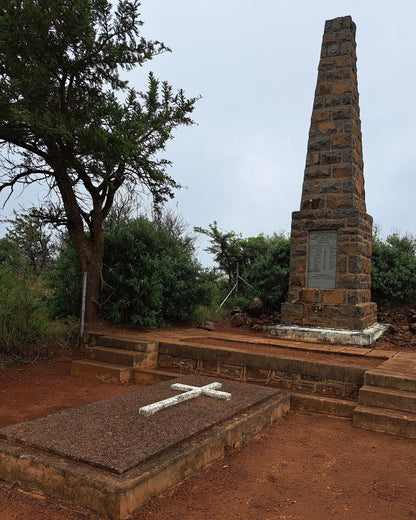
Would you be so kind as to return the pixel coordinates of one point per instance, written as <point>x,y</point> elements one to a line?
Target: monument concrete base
<point>359,338</point>
<point>108,457</point>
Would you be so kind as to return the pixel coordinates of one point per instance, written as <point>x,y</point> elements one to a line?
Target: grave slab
<point>108,457</point>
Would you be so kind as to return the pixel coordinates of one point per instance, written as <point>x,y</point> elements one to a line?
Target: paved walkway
<point>243,341</point>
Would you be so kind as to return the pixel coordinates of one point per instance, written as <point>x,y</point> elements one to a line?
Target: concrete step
<point>385,420</point>
<point>389,379</point>
<point>390,398</point>
<point>116,356</point>
<point>108,372</point>
<point>322,405</point>
<point>151,376</point>
<point>118,342</point>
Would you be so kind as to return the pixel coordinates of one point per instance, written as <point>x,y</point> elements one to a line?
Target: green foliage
<point>269,271</point>
<point>61,93</point>
<point>10,255</point>
<point>28,243</point>
<point>150,273</point>
<point>25,329</point>
<point>262,261</point>
<point>153,275</point>
<point>69,120</point>
<point>65,281</point>
<point>226,248</point>
<point>217,289</point>
<point>393,275</point>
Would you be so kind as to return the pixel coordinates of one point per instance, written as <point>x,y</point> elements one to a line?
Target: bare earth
<point>302,468</point>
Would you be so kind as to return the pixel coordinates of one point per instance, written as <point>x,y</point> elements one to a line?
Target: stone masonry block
<point>331,157</point>
<point>327,127</point>
<point>322,89</point>
<point>342,172</point>
<point>310,295</point>
<point>341,87</point>
<point>336,296</point>
<point>333,101</point>
<point>319,144</point>
<point>321,115</point>
<point>342,113</point>
<point>344,141</point>
<point>320,172</point>
<point>339,201</point>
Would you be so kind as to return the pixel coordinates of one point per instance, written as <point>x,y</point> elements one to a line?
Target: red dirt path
<point>302,468</point>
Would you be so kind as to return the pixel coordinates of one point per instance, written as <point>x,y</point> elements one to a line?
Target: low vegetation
<point>151,278</point>
<point>26,330</point>
<point>393,275</point>
<point>150,273</point>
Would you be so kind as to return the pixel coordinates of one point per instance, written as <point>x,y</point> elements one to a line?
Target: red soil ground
<point>302,468</point>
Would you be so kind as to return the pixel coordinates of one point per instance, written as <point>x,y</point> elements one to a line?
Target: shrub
<point>65,280</point>
<point>269,272</point>
<point>393,275</point>
<point>262,261</point>
<point>25,327</point>
<point>150,275</point>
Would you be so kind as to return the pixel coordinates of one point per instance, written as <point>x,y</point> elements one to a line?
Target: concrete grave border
<point>119,495</point>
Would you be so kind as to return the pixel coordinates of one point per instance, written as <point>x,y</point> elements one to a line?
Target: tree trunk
<point>90,252</point>
<point>89,246</point>
<point>92,266</point>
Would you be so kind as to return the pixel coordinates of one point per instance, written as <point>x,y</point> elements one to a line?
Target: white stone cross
<point>210,390</point>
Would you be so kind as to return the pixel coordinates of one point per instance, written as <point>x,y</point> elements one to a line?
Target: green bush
<point>262,262</point>
<point>65,281</point>
<point>269,272</point>
<point>393,275</point>
<point>150,275</point>
<point>25,327</point>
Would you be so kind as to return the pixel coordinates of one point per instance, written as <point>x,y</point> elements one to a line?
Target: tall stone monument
<point>330,257</point>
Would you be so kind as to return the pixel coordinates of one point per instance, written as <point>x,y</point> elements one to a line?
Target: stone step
<point>385,420</point>
<point>117,342</point>
<point>390,398</point>
<point>389,379</point>
<point>151,376</point>
<point>322,405</point>
<point>108,372</point>
<point>121,357</point>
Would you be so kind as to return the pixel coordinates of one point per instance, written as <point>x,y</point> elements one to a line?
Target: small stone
<point>237,320</point>
<point>393,329</point>
<point>235,310</point>
<point>258,328</point>
<point>207,325</point>
<point>412,328</point>
<point>411,317</point>
<point>255,309</point>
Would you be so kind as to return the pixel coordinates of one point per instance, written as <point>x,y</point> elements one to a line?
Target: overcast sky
<point>255,66</point>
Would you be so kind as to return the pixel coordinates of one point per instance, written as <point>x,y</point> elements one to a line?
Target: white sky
<point>255,65</point>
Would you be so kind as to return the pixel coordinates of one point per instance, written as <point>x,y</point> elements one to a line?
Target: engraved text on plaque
<point>322,261</point>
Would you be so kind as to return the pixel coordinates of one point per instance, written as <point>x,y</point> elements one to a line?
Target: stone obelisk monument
<point>330,257</point>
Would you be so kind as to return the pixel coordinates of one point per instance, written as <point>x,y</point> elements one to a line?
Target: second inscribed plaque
<point>322,261</point>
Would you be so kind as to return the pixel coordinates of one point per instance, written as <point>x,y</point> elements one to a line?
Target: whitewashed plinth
<point>358,338</point>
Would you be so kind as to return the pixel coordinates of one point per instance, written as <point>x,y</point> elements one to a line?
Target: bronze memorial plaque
<point>322,264</point>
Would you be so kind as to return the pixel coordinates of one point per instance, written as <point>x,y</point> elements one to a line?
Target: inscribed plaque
<point>322,261</point>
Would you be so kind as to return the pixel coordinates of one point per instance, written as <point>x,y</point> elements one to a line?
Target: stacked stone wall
<point>317,382</point>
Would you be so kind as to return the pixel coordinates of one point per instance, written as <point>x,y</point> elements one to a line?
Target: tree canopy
<point>69,119</point>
